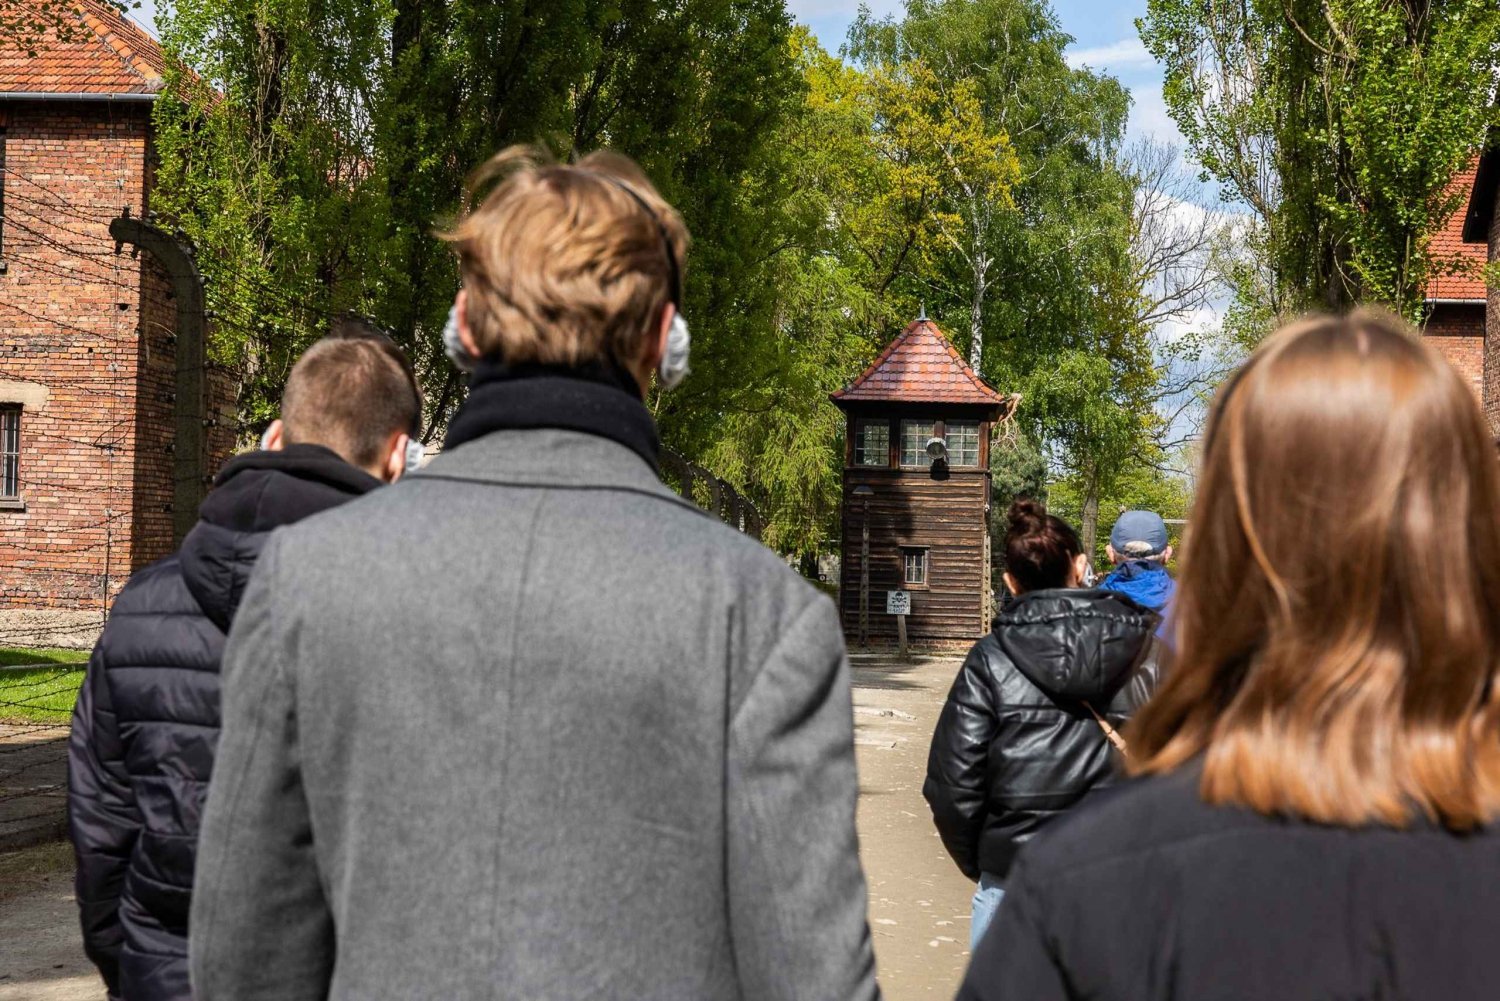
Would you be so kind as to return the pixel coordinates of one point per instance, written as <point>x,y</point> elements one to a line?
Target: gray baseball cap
<point>1139,533</point>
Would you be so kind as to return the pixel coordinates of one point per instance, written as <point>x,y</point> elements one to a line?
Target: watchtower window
<point>963,443</point>
<point>872,443</point>
<point>915,562</point>
<point>914,438</point>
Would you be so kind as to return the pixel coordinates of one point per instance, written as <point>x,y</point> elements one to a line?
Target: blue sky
<point>1104,38</point>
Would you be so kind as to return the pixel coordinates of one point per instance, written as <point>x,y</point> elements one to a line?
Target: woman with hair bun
<point>1029,728</point>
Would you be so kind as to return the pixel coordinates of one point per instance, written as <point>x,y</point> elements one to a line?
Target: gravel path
<point>919,901</point>
<point>41,958</point>
<point>33,784</point>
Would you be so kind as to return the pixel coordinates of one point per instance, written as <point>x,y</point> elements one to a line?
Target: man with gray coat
<point>528,725</point>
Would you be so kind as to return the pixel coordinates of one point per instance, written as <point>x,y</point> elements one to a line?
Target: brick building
<point>96,402</point>
<point>1455,303</point>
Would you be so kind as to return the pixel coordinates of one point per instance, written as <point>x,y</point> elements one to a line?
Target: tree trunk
<point>1089,529</point>
<point>976,325</point>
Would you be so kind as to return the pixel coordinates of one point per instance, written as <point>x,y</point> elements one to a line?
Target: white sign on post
<point>898,603</point>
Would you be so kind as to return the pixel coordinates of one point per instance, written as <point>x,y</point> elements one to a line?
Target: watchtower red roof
<point>83,47</point>
<point>920,366</point>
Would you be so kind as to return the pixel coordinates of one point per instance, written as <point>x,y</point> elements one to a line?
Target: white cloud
<point>1148,115</point>
<point>1127,53</point>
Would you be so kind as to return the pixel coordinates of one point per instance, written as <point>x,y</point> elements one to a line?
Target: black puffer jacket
<point>1016,744</point>
<point>147,719</point>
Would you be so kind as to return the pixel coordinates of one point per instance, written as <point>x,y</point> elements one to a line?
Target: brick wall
<point>91,332</point>
<point>1457,331</point>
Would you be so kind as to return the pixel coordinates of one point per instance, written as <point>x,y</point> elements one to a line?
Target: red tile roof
<point>85,48</point>
<point>920,366</point>
<point>1451,254</point>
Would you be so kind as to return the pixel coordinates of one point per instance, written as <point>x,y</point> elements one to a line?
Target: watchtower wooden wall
<point>919,386</point>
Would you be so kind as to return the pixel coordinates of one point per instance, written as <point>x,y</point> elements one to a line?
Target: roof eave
<point>844,402</point>
<point>77,96</point>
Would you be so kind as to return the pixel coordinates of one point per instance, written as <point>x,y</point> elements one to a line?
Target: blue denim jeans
<point>986,902</point>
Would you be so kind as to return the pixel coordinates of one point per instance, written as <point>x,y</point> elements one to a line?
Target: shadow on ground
<point>886,671</point>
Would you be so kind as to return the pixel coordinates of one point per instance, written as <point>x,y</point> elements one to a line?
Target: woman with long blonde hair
<point>1320,769</point>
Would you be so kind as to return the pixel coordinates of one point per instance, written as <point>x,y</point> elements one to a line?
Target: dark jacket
<point>147,719</point>
<point>1016,743</point>
<point>1152,895</point>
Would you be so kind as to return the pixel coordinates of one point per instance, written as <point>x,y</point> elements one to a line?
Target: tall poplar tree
<point>1340,123</point>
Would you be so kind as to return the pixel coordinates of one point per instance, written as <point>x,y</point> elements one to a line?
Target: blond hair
<point>566,263</point>
<point>1337,621</point>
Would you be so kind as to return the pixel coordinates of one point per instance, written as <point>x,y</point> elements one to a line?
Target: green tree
<point>1142,487</point>
<point>264,144</point>
<point>887,167</point>
<point>1340,123</point>
<point>310,150</point>
<point>1091,265</point>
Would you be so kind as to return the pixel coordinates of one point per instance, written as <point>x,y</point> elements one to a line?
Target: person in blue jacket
<point>1139,549</point>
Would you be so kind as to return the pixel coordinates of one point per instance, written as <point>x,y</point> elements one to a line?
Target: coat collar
<point>550,457</point>
<point>598,398</point>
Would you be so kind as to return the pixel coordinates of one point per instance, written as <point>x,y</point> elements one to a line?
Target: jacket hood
<point>1148,583</point>
<point>254,494</point>
<point>1077,645</point>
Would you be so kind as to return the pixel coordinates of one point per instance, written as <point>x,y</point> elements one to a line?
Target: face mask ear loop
<point>453,343</point>
<point>412,460</point>
<point>674,359</point>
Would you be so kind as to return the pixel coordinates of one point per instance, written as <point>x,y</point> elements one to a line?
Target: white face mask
<point>412,461</point>
<point>453,343</point>
<point>673,367</point>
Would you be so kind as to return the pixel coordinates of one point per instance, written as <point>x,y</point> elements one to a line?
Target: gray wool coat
<point>528,725</point>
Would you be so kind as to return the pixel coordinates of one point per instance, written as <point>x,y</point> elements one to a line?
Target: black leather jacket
<point>1016,744</point>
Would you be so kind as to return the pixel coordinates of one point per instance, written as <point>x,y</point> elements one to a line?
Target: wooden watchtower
<point>917,478</point>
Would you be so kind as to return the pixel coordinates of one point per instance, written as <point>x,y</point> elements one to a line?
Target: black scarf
<point>596,398</point>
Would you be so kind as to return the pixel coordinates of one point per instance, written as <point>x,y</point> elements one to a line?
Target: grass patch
<point>13,656</point>
<point>44,693</point>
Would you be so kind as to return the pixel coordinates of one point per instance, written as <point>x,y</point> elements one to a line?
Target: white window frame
<point>924,461</point>
<point>955,460</point>
<point>10,455</point>
<point>860,426</point>
<point>923,556</point>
